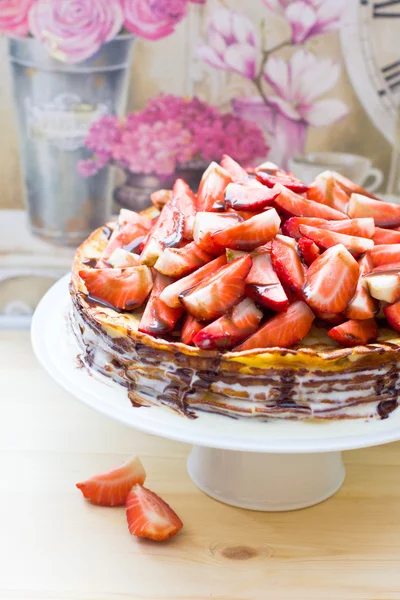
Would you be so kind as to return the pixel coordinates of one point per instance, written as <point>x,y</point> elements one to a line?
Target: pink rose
<point>14,16</point>
<point>153,19</point>
<point>73,31</point>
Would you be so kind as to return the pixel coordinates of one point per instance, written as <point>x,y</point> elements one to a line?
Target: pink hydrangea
<point>73,31</point>
<point>153,19</point>
<point>14,16</point>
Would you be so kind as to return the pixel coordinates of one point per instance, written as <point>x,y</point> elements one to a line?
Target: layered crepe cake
<point>259,297</point>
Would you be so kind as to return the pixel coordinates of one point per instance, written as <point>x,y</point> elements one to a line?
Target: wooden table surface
<point>54,545</point>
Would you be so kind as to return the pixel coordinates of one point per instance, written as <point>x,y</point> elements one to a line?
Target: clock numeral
<point>391,74</point>
<point>390,9</point>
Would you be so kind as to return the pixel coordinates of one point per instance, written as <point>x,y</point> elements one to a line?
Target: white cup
<point>357,168</point>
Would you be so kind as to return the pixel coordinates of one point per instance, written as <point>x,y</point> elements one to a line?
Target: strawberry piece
<point>216,295</point>
<point>120,259</point>
<point>309,251</point>
<point>160,198</point>
<point>326,190</point>
<point>330,318</point>
<point>251,233</point>
<point>354,333</point>
<point>386,236</point>
<point>149,516</point>
<point>392,314</point>
<point>112,488</point>
<point>127,235</point>
<point>296,205</point>
<point>166,233</point>
<point>159,318</point>
<point>234,254</point>
<point>358,227</point>
<point>250,195</point>
<point>387,267</point>
<point>287,264</point>
<point>172,292</point>
<point>326,239</point>
<point>190,328</point>
<point>210,196</point>
<point>270,175</point>
<point>236,172</point>
<point>230,329</point>
<point>283,330</point>
<point>177,262</point>
<point>385,214</point>
<point>263,285</point>
<point>384,286</point>
<point>350,187</point>
<point>331,281</point>
<point>124,289</point>
<point>206,224</point>
<point>384,254</point>
<point>184,199</point>
<point>362,306</point>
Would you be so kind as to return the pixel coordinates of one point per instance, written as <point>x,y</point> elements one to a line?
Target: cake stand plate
<point>261,465</point>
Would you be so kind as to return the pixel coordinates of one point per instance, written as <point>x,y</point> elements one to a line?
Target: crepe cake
<point>259,297</point>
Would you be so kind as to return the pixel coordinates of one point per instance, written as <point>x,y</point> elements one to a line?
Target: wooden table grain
<point>56,546</point>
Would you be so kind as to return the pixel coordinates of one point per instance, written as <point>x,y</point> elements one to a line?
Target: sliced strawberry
<point>177,262</point>
<point>362,306</point>
<point>217,294</point>
<point>326,190</point>
<point>287,264</point>
<point>296,205</point>
<point>125,289</point>
<point>112,488</point>
<point>149,516</point>
<point>206,224</point>
<point>350,187</point>
<point>127,235</point>
<point>326,239</point>
<point>386,236</point>
<point>120,259</point>
<point>330,318</point>
<point>166,233</point>
<point>190,328</point>
<point>384,286</point>
<point>184,199</point>
<point>172,292</point>
<point>244,214</point>
<point>283,330</point>
<point>270,176</point>
<point>385,214</point>
<point>331,281</point>
<point>233,254</point>
<point>358,227</point>
<point>251,233</point>
<point>392,314</point>
<point>386,267</point>
<point>383,254</point>
<point>210,196</point>
<point>365,264</point>
<point>230,329</point>
<point>354,333</point>
<point>159,318</point>
<point>309,251</point>
<point>250,195</point>
<point>160,198</point>
<point>263,285</point>
<point>236,172</point>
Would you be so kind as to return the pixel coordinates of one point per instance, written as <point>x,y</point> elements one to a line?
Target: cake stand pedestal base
<point>263,481</point>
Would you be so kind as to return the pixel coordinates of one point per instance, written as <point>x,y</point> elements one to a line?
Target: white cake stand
<point>269,466</point>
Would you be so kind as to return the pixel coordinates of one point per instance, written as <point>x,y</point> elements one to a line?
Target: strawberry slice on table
<point>385,214</point>
<point>112,488</point>
<point>283,330</point>
<point>159,318</point>
<point>269,175</point>
<point>330,318</point>
<point>127,235</point>
<point>386,267</point>
<point>263,285</point>
<point>210,196</point>
<point>251,195</point>
<point>386,236</point>
<point>217,294</point>
<point>125,289</point>
<point>326,239</point>
<point>384,286</point>
<point>326,190</point>
<point>149,516</point>
<point>331,281</point>
<point>383,254</point>
<point>392,314</point>
<point>160,198</point>
<point>308,249</point>
<point>170,295</point>
<point>297,206</point>
<point>362,305</point>
<point>177,262</point>
<point>184,199</point>
<point>190,328</point>
<point>287,264</point>
<point>350,187</point>
<point>358,227</point>
<point>251,233</point>
<point>121,259</point>
<point>166,233</point>
<point>354,333</point>
<point>230,329</point>
<point>236,172</point>
<point>206,224</point>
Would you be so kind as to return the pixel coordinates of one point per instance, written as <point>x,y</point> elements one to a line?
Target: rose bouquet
<point>74,30</point>
<point>169,133</point>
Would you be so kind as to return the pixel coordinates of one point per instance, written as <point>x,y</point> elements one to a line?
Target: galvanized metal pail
<point>56,104</point>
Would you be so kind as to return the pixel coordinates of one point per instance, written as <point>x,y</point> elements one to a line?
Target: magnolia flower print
<point>14,16</point>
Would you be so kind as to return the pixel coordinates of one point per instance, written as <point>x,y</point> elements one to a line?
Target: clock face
<point>370,41</point>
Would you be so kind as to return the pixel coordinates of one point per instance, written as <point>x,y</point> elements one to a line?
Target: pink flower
<point>74,30</point>
<point>308,18</point>
<point>14,16</point>
<point>153,19</point>
<point>297,85</point>
<point>232,43</point>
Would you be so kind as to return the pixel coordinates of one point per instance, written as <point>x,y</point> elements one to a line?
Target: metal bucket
<point>56,104</point>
